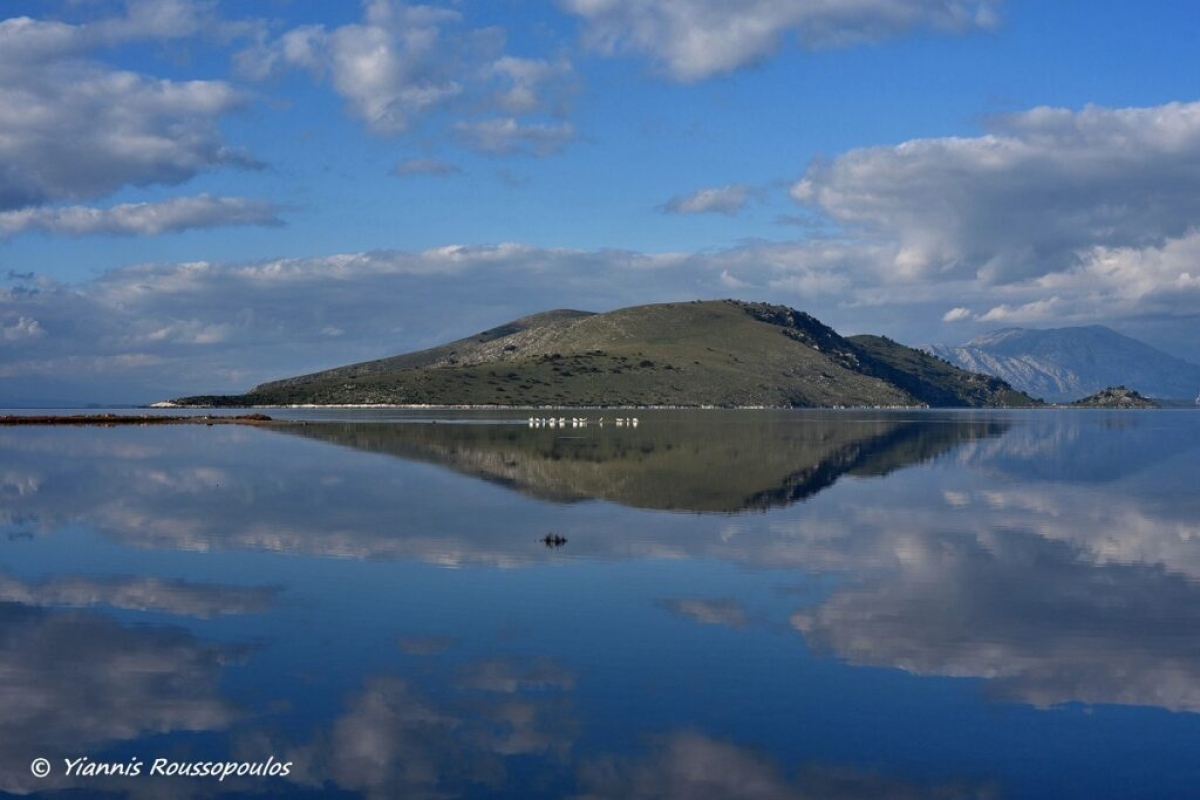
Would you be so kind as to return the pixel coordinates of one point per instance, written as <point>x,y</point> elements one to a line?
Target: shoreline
<point>135,419</point>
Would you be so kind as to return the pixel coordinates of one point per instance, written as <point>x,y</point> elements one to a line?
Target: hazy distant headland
<point>1061,365</point>
<point>720,353</point>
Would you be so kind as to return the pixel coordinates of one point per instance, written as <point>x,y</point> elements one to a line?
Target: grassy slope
<point>719,353</point>
<point>933,380</point>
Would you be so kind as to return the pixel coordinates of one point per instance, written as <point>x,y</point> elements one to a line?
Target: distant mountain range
<point>1064,364</point>
<point>712,353</point>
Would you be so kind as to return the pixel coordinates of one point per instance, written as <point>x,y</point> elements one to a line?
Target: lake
<point>712,604</point>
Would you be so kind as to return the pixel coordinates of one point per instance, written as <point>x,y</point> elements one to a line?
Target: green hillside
<point>713,353</point>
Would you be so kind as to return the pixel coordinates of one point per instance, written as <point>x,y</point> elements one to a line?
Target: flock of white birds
<point>577,422</point>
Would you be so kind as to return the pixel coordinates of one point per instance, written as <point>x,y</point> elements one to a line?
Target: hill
<point>1061,364</point>
<point>712,353</point>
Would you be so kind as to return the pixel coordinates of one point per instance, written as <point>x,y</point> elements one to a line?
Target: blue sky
<point>199,196</point>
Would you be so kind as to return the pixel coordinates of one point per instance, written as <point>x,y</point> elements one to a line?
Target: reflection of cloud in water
<point>15,483</point>
<point>65,443</point>
<point>427,645</point>
<point>76,681</point>
<point>392,741</point>
<point>1106,527</point>
<point>139,594</point>
<point>692,766</point>
<point>1028,615</point>
<point>507,676</point>
<point>725,611</point>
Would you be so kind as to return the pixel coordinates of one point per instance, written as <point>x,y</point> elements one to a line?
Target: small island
<point>718,353</point>
<point>1115,397</point>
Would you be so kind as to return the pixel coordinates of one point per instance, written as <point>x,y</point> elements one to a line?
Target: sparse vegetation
<point>1116,397</point>
<point>737,354</point>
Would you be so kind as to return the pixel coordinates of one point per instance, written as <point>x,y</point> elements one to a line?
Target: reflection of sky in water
<point>929,621</point>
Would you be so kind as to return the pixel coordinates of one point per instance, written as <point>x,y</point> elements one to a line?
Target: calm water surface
<point>747,604</point>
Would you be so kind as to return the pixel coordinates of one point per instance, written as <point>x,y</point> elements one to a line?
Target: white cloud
<point>23,328</point>
<point>810,283</point>
<point>507,136</point>
<point>425,166</point>
<point>957,314</point>
<point>73,129</point>
<point>1033,196</point>
<point>176,214</point>
<point>393,66</point>
<point>27,40</point>
<point>721,200</point>
<point>1032,311</point>
<point>732,281</point>
<point>405,65</point>
<point>525,83</point>
<point>695,39</point>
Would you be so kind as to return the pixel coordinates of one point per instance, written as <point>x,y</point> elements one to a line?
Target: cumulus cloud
<point>169,216</point>
<point>425,166</point>
<point>27,40</point>
<point>530,85</point>
<point>1038,194</point>
<point>404,63</point>
<point>695,39</point>
<point>72,128</point>
<point>22,328</point>
<point>74,131</point>
<point>507,136</point>
<point>721,200</point>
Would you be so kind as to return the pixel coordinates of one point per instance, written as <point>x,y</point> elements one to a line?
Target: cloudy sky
<point>199,195</point>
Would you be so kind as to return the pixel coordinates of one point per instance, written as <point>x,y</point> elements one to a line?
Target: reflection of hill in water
<point>687,462</point>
